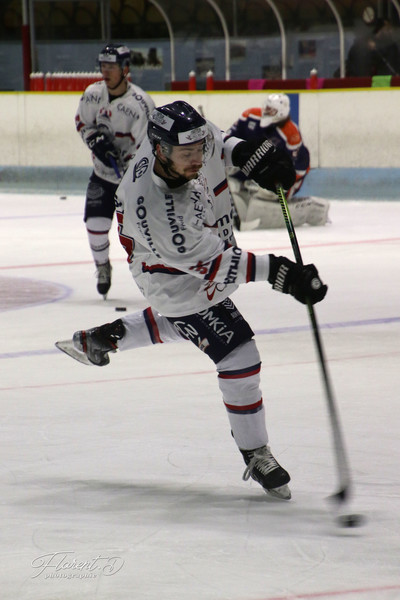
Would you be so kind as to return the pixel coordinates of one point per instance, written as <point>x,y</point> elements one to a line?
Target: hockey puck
<point>350,520</point>
<point>63,197</point>
<point>120,308</point>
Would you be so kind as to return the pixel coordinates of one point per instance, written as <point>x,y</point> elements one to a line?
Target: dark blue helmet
<point>176,124</point>
<point>115,53</point>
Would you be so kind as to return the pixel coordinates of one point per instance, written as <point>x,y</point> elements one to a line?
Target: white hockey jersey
<point>180,243</point>
<point>124,118</point>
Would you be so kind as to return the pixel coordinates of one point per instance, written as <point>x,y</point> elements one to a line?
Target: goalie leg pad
<point>240,196</point>
<point>269,212</point>
<point>314,210</point>
<point>308,209</point>
<point>318,214</point>
<point>240,205</point>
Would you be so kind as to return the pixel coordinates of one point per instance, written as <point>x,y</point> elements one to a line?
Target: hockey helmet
<point>115,53</point>
<point>275,109</point>
<point>179,124</point>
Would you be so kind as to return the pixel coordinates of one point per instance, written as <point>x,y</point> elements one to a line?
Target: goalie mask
<point>275,109</point>
<point>179,124</point>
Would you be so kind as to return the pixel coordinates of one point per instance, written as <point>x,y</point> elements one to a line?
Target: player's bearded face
<point>187,160</point>
<point>111,73</point>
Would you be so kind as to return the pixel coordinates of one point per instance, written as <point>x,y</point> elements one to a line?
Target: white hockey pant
<point>238,375</point>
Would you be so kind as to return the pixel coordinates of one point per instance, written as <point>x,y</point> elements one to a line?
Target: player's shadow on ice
<point>194,503</point>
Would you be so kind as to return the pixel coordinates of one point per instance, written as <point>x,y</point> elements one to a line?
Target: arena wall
<point>346,129</point>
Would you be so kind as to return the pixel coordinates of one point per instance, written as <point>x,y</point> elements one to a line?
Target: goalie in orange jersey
<point>259,207</point>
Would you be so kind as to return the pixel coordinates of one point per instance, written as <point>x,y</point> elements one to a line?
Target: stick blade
<point>67,346</point>
<point>343,495</point>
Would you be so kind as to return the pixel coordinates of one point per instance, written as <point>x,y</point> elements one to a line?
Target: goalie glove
<point>102,147</point>
<point>302,282</point>
<point>265,164</point>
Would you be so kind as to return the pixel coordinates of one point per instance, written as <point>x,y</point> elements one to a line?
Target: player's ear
<point>160,154</point>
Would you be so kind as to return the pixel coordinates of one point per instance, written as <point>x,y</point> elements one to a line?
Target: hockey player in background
<point>175,222</point>
<point>261,207</point>
<point>112,120</point>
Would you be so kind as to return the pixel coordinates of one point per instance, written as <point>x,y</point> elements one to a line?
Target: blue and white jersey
<point>124,118</point>
<point>181,247</point>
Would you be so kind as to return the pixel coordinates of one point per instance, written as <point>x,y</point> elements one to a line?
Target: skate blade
<point>283,492</point>
<point>68,347</point>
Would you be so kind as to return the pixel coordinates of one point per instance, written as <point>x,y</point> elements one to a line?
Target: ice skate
<point>97,342</point>
<point>91,346</point>
<point>104,278</point>
<point>264,468</point>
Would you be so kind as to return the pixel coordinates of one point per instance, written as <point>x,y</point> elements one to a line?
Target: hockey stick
<point>340,453</point>
<point>114,165</point>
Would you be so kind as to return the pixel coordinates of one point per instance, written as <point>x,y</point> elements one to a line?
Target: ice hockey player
<point>261,207</point>
<point>112,120</point>
<point>175,222</point>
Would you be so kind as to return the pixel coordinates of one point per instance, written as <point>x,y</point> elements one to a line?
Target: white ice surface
<point>126,477</point>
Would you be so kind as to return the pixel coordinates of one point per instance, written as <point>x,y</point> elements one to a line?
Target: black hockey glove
<point>266,164</point>
<point>102,147</point>
<point>303,283</point>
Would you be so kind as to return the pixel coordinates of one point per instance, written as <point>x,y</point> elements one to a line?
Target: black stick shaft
<point>339,446</point>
